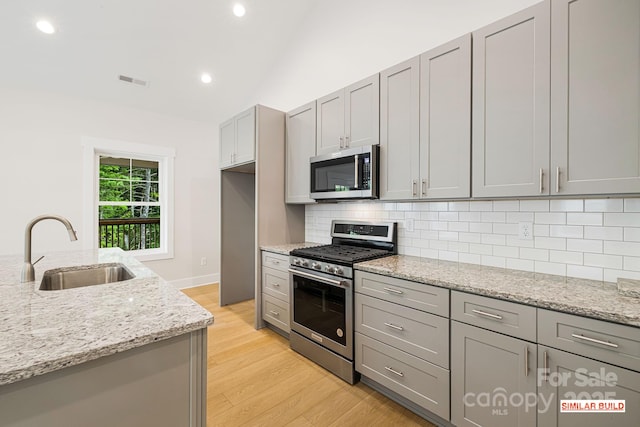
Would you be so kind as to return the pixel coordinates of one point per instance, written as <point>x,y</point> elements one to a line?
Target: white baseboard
<point>191,282</point>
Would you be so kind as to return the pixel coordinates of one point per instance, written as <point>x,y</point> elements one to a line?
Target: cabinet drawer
<point>276,312</point>
<point>596,339</point>
<point>418,333</point>
<point>276,261</point>
<point>275,283</point>
<point>505,317</point>
<point>411,294</point>
<point>421,382</point>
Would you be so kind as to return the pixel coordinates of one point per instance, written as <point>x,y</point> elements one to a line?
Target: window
<point>129,188</point>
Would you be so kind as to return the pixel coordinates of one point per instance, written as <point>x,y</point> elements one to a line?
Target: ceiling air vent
<point>132,80</point>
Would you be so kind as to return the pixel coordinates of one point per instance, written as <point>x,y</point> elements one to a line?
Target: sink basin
<point>84,275</point>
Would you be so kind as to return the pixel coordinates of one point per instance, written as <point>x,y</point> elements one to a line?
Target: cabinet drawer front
<point>273,260</point>
<point>275,283</point>
<point>505,317</point>
<point>276,312</point>
<point>420,334</point>
<point>411,294</point>
<point>421,382</point>
<point>596,339</point>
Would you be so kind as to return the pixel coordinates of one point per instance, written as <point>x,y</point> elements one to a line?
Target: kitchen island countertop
<point>43,331</point>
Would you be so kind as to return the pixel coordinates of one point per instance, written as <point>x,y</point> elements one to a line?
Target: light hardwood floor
<point>255,379</point>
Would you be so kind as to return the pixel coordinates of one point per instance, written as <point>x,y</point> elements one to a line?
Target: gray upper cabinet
<point>595,90</point>
<point>425,125</point>
<point>400,130</point>
<point>510,110</point>
<point>445,120</point>
<point>349,117</point>
<point>301,145</point>
<point>238,139</point>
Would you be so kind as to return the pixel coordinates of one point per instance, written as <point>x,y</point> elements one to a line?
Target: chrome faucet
<point>28,273</point>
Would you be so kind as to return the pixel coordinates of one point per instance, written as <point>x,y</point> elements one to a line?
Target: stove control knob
<point>338,271</point>
<point>316,266</point>
<point>296,261</point>
<point>328,269</point>
<point>304,263</point>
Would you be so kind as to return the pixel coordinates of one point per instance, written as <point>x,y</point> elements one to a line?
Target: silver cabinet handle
<point>546,366</point>
<point>558,179</point>
<point>398,373</point>
<point>276,285</point>
<point>414,186</point>
<point>595,341</point>
<point>484,313</point>
<point>346,141</point>
<point>392,326</point>
<point>393,291</point>
<point>274,313</point>
<point>541,175</point>
<point>341,142</point>
<point>275,262</point>
<point>526,361</point>
<point>424,187</point>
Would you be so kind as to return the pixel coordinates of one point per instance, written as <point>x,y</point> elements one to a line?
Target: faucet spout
<point>28,273</point>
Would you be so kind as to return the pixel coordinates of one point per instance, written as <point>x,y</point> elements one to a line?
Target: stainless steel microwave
<point>347,174</point>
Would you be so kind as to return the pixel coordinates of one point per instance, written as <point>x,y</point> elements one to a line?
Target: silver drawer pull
<point>275,262</point>
<point>398,373</point>
<point>484,313</point>
<point>393,291</point>
<point>595,341</point>
<point>274,313</point>
<point>392,326</point>
<point>276,285</point>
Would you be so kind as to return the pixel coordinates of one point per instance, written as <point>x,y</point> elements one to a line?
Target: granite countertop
<point>43,331</point>
<point>286,248</point>
<point>599,300</point>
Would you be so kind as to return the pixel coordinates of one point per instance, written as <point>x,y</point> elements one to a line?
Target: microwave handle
<point>356,181</point>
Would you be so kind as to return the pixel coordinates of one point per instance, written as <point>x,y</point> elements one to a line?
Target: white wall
<point>41,139</point>
<point>343,41</point>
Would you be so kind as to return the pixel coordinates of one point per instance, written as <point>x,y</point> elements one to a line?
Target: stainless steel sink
<point>84,275</point>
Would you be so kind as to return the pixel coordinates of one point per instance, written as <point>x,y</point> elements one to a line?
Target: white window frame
<point>93,148</point>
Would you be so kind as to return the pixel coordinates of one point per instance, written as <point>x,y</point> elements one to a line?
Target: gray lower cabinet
<point>275,290</point>
<point>492,375</point>
<point>402,340</point>
<point>568,376</point>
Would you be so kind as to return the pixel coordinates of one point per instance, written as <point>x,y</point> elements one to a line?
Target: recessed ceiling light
<point>45,26</point>
<point>239,10</point>
<point>206,78</point>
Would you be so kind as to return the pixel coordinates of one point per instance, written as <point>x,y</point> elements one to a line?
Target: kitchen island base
<point>159,384</point>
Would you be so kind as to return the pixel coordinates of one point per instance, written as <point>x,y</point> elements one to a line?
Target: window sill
<point>152,255</point>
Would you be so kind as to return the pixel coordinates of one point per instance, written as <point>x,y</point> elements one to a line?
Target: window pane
<point>129,227</point>
<point>145,171</point>
<point>114,168</point>
<point>114,190</point>
<point>144,191</point>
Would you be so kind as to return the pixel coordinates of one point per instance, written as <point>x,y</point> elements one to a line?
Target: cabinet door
<point>246,136</point>
<point>330,123</point>
<point>227,143</point>
<point>301,145</point>
<point>362,112</point>
<point>595,89</point>
<point>445,120</point>
<point>568,376</point>
<point>488,371</point>
<point>400,130</point>
<point>511,105</point>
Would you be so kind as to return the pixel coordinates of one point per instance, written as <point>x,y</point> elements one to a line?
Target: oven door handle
<point>318,278</point>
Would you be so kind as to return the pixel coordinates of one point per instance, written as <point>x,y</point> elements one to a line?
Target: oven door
<point>322,309</point>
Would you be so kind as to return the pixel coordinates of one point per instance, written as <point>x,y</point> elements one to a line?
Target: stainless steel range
<point>321,280</point>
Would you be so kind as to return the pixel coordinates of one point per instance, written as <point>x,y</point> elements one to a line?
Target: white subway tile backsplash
<point>631,234</point>
<point>603,233</point>
<point>551,218</point>
<point>591,238</point>
<point>550,243</point>
<point>632,205</point>
<point>603,205</point>
<point>622,219</point>
<point>584,218</point>
<point>622,248</point>
<point>534,205</point>
<point>604,261</point>
<point>566,206</point>
<point>574,231</point>
<point>592,273</point>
